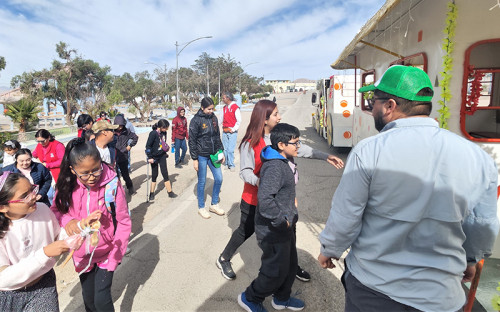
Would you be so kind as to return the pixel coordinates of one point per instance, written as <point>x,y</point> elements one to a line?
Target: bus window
<point>480,110</point>
<point>368,77</point>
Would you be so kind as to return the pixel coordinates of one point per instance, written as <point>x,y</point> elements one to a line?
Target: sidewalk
<point>172,263</point>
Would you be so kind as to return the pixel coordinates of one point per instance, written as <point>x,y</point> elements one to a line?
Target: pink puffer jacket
<point>111,247</point>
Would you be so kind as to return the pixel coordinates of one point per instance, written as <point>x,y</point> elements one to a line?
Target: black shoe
<point>302,275</point>
<point>172,194</point>
<point>151,196</point>
<point>178,165</point>
<point>131,190</point>
<point>225,268</point>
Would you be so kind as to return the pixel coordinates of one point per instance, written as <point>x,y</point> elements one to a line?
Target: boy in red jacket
<point>180,135</point>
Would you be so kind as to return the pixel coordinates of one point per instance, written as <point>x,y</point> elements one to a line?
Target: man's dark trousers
<point>277,271</point>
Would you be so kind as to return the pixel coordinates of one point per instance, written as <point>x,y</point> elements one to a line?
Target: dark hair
<point>88,134</point>
<point>42,133</point>
<point>11,144</point>
<point>229,95</point>
<point>255,130</point>
<point>102,113</point>
<point>76,151</point>
<point>206,102</point>
<point>84,119</point>
<point>410,108</point>
<point>23,151</point>
<point>7,193</point>
<point>283,132</point>
<point>162,123</point>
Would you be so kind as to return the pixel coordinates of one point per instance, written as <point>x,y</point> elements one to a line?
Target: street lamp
<point>239,76</point>
<point>177,52</point>
<point>164,69</point>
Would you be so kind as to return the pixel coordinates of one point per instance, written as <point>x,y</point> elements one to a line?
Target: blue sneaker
<point>248,305</point>
<point>291,304</point>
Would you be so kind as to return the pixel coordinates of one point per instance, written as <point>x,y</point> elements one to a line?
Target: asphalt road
<point>172,263</point>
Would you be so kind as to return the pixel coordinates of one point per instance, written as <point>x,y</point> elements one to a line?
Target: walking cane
<point>147,180</point>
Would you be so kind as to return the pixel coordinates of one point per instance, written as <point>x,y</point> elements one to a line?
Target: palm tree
<point>23,112</point>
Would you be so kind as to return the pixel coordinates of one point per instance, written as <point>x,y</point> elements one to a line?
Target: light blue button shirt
<point>414,202</point>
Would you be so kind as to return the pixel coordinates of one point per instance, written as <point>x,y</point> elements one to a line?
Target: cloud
<point>288,39</point>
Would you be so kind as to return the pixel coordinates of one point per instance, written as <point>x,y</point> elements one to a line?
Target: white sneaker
<point>215,209</point>
<point>204,213</point>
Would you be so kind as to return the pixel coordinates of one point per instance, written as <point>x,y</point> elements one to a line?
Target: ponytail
<point>76,150</point>
<point>7,192</point>
<point>162,123</point>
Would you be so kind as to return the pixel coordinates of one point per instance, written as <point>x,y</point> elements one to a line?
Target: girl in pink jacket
<point>88,193</point>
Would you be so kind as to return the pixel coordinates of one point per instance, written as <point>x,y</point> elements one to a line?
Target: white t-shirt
<point>21,249</point>
<point>105,155</point>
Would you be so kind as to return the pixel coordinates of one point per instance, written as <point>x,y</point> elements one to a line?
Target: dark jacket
<point>179,126</point>
<point>112,151</point>
<point>204,135</point>
<point>276,198</point>
<point>123,139</point>
<point>41,176</point>
<point>153,145</point>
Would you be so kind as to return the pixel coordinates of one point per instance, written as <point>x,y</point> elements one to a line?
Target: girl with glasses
<point>49,151</point>
<point>28,248</point>
<point>82,199</point>
<point>35,172</point>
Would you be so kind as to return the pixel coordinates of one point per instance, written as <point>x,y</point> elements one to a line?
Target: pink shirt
<point>21,249</point>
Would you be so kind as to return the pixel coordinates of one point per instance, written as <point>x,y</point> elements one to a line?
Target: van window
<point>480,110</point>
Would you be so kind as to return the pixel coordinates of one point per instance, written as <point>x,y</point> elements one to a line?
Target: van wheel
<point>329,130</point>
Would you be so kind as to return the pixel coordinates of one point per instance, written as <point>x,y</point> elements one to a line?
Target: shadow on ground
<point>137,267</point>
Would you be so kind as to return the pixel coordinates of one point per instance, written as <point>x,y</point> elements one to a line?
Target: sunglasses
<point>29,198</point>
<point>371,102</point>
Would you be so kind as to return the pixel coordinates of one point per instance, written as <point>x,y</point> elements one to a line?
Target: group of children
<point>89,215</point>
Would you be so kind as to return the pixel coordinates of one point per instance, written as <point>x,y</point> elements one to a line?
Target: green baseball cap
<point>402,81</point>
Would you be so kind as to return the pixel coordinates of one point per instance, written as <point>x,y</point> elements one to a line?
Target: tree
<point>71,82</point>
<point>23,112</point>
<point>139,91</point>
<point>2,63</point>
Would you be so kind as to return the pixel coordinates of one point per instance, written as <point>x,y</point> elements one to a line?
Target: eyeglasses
<point>86,176</point>
<point>297,144</point>
<point>371,102</point>
<point>29,198</point>
<point>41,141</point>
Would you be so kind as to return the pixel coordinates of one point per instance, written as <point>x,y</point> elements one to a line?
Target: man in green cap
<point>416,204</point>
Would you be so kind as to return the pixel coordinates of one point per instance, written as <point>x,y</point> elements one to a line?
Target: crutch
<point>147,180</point>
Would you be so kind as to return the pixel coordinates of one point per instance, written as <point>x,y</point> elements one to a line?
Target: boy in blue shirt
<point>275,219</point>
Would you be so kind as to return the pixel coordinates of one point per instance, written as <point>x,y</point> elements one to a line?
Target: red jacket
<point>179,126</point>
<point>51,155</point>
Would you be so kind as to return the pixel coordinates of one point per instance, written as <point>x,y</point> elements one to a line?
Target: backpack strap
<point>110,199</point>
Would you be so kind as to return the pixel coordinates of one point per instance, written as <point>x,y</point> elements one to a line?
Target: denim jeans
<point>229,142</point>
<point>180,144</point>
<point>202,178</point>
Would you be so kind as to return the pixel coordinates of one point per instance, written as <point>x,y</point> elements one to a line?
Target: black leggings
<point>244,230</point>
<point>163,167</point>
<point>96,290</point>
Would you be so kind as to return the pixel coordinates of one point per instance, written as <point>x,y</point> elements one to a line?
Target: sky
<point>274,39</point>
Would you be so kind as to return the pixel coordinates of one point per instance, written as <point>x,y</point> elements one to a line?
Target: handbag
<point>163,145</point>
